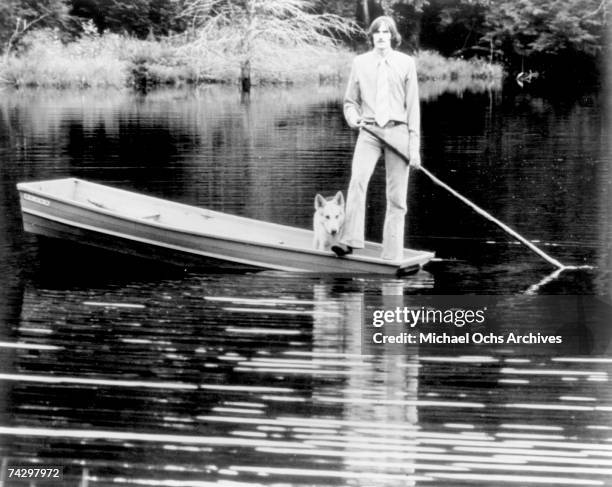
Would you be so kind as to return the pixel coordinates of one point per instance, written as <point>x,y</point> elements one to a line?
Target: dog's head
<point>331,212</point>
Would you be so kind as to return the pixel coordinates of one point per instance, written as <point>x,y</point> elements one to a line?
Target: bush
<point>434,67</point>
<point>112,60</point>
<point>46,61</point>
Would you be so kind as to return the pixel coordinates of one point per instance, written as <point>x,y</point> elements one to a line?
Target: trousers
<point>367,152</point>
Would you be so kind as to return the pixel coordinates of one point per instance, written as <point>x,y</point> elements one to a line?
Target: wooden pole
<point>366,13</point>
<point>245,77</point>
<point>475,207</point>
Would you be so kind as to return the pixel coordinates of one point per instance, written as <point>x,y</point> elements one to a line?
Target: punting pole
<point>475,207</point>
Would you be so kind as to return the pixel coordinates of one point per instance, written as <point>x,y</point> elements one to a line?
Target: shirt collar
<point>385,58</point>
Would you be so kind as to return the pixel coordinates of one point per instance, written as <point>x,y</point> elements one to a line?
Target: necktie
<point>381,110</point>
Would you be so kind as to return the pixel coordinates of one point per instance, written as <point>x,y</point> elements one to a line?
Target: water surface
<point>134,374</point>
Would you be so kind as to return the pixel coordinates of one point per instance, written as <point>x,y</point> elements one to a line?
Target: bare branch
<point>602,7</point>
<point>21,27</point>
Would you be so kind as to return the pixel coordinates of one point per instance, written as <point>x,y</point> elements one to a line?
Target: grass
<point>435,67</point>
<point>45,61</point>
<point>111,60</point>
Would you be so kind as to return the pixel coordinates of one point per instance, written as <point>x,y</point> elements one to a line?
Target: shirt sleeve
<point>352,98</point>
<point>413,109</point>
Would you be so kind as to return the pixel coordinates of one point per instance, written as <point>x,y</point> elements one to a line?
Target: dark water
<point>125,373</point>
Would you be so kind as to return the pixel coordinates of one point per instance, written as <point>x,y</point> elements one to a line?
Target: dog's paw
<point>341,250</point>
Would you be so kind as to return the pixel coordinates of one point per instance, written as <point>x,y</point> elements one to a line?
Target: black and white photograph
<point>305,243</point>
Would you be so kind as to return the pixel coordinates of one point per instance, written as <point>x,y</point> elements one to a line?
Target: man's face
<point>382,38</point>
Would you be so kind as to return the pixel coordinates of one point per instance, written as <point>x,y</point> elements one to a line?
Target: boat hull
<point>95,225</point>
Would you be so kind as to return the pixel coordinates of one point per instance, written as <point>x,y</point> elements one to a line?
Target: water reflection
<point>260,379</point>
<point>391,404</point>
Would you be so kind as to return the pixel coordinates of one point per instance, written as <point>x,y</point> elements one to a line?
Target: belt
<point>390,123</point>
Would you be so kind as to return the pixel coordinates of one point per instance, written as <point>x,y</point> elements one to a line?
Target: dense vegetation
<point>217,40</point>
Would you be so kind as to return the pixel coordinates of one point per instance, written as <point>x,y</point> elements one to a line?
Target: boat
<point>136,224</point>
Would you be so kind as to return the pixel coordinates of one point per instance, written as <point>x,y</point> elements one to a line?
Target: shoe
<point>341,250</point>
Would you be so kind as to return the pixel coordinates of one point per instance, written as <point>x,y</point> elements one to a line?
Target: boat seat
<point>145,215</point>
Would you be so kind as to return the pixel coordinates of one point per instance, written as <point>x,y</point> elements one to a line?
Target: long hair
<point>396,38</point>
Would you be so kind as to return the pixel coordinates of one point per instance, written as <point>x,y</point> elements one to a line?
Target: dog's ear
<point>319,201</point>
<point>339,198</point>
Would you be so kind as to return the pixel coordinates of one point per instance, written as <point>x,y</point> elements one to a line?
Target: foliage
<point>17,17</point>
<point>90,61</point>
<point>113,60</point>
<point>261,34</point>
<point>432,66</point>
<point>343,8</point>
<point>545,26</point>
<point>453,27</point>
<point>404,10</point>
<point>390,5</point>
<point>519,31</point>
<point>287,22</point>
<point>136,17</point>
<point>439,74</point>
<point>291,40</point>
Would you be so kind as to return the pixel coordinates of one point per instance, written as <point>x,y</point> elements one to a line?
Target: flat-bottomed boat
<point>123,221</point>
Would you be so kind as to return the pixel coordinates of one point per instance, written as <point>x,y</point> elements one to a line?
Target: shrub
<point>432,66</point>
<point>111,60</point>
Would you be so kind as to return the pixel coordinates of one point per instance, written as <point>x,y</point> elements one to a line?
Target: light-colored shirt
<point>360,96</point>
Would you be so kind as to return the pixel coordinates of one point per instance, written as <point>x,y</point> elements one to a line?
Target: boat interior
<point>177,216</point>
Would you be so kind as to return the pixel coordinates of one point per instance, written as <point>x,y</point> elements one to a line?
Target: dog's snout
<point>334,232</point>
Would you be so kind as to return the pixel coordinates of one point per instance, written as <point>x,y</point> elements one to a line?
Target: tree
<point>453,27</point>
<point>540,31</point>
<point>249,27</point>
<point>408,14</point>
<point>136,17</point>
<point>544,35</point>
<point>405,10</point>
<point>536,26</point>
<point>17,17</point>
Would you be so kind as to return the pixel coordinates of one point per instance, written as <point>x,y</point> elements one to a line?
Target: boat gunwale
<point>165,245</point>
<point>25,187</point>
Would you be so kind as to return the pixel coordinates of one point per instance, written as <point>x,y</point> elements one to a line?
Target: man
<point>382,94</point>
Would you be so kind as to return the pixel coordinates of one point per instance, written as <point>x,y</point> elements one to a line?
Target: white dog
<point>328,220</point>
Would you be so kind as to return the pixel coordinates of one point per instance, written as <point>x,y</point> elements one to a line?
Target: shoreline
<point>114,61</point>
